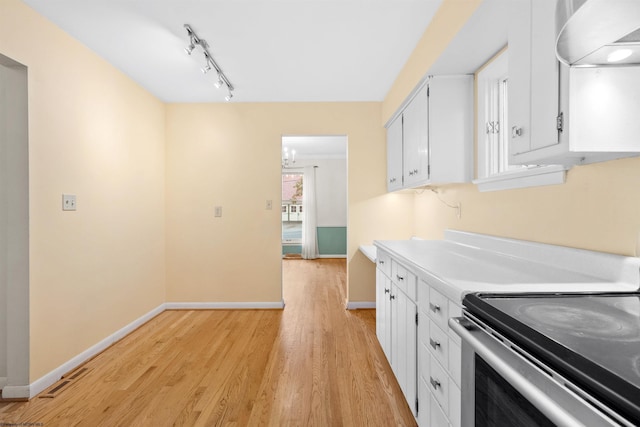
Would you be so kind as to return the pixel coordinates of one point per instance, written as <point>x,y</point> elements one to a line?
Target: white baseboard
<point>223,305</point>
<point>355,305</point>
<point>52,377</point>
<point>332,256</point>
<point>15,392</point>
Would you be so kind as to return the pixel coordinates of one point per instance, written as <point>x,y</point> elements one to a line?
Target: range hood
<point>598,32</point>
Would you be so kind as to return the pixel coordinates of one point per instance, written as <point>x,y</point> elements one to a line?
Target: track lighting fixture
<point>210,63</point>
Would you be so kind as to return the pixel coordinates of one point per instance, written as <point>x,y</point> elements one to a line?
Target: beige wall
<point>229,155</point>
<point>96,134</point>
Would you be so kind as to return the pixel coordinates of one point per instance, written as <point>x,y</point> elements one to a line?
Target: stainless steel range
<point>550,359</point>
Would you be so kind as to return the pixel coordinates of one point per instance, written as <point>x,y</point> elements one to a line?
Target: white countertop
<point>369,251</point>
<point>467,262</point>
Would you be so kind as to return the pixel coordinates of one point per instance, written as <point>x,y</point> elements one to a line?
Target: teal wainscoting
<point>291,249</point>
<point>332,240</point>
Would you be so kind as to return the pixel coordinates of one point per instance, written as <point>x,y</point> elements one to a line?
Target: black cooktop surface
<point>592,339</point>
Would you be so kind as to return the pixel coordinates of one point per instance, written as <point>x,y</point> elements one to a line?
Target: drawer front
<point>439,384</point>
<point>439,309</point>
<point>383,260</point>
<point>439,344</point>
<point>455,362</point>
<point>437,418</point>
<point>405,280</point>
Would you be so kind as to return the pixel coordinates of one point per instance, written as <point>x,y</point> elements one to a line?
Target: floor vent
<point>65,381</point>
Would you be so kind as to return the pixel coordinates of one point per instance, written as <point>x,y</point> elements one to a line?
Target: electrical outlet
<point>269,205</point>
<point>68,202</point>
<point>218,211</point>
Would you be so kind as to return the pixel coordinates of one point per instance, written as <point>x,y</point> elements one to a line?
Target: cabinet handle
<point>399,277</point>
<point>410,173</point>
<point>386,291</point>
<point>516,131</point>
<point>434,344</point>
<point>381,262</point>
<point>434,383</point>
<point>392,180</point>
<point>434,307</point>
<point>415,171</point>
<point>391,296</point>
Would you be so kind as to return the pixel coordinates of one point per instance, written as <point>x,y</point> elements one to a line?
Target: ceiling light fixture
<point>618,55</point>
<point>194,41</point>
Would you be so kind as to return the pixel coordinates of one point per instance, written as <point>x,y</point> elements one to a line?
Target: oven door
<point>504,387</point>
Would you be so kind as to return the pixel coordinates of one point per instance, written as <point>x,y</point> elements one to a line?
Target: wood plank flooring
<point>312,364</point>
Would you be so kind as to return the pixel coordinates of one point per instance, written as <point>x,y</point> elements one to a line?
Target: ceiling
<point>270,50</point>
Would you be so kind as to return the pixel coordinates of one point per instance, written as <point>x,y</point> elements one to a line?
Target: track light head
<point>206,68</point>
<point>218,83</point>
<point>229,96</point>
<point>190,48</point>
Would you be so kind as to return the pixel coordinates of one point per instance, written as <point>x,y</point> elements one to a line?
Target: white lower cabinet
<point>411,325</point>
<point>396,329</point>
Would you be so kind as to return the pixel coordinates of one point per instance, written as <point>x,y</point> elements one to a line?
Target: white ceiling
<point>271,50</point>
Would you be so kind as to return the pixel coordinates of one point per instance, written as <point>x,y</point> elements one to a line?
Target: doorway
<point>314,197</point>
<point>14,230</point>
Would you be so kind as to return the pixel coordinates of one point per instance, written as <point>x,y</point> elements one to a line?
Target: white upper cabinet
<point>533,79</point>
<point>394,155</point>
<point>433,135</point>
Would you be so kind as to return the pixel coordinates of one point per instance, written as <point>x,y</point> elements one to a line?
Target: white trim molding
<point>224,305</point>
<point>532,176</point>
<point>357,305</point>
<point>331,256</point>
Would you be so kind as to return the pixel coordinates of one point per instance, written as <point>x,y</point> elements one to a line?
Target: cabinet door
<point>533,77</point>
<point>383,312</point>
<point>450,129</point>
<point>394,155</point>
<point>416,139</point>
<point>404,337</point>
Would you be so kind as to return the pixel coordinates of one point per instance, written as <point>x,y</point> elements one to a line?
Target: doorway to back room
<point>314,196</point>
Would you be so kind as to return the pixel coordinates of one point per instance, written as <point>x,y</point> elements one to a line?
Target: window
<point>292,208</point>
<point>494,170</point>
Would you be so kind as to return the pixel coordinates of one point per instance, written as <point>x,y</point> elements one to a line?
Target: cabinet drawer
<point>383,260</point>
<point>437,418</point>
<point>455,362</point>
<point>439,309</point>
<point>405,280</point>
<point>439,344</point>
<point>439,384</point>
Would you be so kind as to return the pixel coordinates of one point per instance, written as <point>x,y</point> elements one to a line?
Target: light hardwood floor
<point>312,364</point>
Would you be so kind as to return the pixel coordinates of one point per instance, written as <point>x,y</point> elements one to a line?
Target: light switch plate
<point>269,205</point>
<point>68,202</point>
<point>218,211</point>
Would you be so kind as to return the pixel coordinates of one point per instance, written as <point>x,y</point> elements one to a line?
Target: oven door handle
<point>470,334</point>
